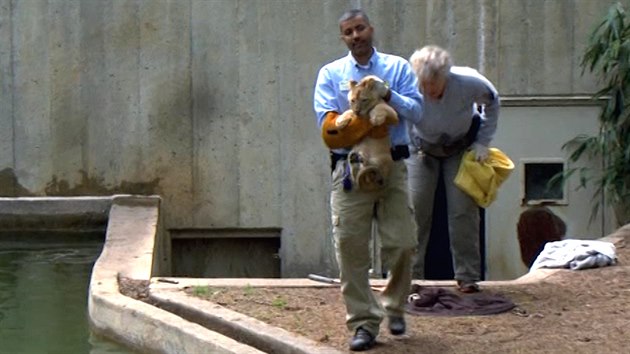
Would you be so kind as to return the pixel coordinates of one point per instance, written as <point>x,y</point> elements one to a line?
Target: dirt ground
<point>583,311</point>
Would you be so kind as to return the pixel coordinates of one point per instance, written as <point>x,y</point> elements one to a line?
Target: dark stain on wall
<point>89,185</point>
<point>9,185</point>
<point>94,185</point>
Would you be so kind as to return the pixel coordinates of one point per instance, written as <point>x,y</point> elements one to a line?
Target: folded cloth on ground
<point>576,254</point>
<point>435,301</point>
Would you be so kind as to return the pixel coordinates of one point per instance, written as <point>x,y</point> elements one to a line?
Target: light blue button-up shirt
<point>332,86</point>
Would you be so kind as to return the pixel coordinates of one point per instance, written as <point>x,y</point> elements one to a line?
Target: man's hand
<point>481,152</point>
<point>382,89</point>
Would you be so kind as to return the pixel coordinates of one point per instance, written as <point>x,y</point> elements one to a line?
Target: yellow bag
<point>481,180</point>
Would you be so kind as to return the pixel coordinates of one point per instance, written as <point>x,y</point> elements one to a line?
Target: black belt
<point>441,151</point>
<point>399,152</point>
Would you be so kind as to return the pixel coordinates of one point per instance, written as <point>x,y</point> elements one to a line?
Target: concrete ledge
<point>55,205</point>
<point>128,252</point>
<point>54,213</point>
<point>243,328</point>
<point>550,101</point>
<point>172,283</point>
<point>146,328</point>
<point>160,284</point>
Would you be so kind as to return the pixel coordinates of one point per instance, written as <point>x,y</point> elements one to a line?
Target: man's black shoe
<point>397,325</point>
<point>362,340</point>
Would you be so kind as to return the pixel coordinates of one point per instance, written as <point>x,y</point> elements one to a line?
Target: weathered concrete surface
<point>149,329</point>
<point>209,103</point>
<point>128,252</point>
<point>54,213</point>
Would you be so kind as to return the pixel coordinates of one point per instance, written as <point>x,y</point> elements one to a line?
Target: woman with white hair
<point>461,109</point>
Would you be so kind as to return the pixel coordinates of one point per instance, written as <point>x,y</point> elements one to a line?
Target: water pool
<point>44,279</point>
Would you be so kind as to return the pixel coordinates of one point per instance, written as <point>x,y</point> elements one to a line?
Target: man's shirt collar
<point>370,64</point>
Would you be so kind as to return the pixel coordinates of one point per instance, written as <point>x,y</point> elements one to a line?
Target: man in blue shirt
<point>353,210</point>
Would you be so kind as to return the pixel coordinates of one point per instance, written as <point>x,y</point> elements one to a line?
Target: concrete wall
<point>208,102</point>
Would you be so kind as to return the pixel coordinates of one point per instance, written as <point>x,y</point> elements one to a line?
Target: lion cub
<point>371,159</point>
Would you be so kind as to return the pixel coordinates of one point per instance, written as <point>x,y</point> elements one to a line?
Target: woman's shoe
<point>467,287</point>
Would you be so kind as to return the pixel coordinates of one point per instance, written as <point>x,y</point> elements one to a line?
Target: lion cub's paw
<point>377,116</point>
<point>343,120</point>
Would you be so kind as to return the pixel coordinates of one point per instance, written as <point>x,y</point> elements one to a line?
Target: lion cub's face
<point>363,97</point>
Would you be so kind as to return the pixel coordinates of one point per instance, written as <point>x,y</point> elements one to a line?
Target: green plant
<point>204,291</point>
<point>201,291</point>
<point>248,290</point>
<point>279,302</point>
<point>607,55</point>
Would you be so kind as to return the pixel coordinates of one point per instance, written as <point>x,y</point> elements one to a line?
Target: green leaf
<point>607,56</point>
